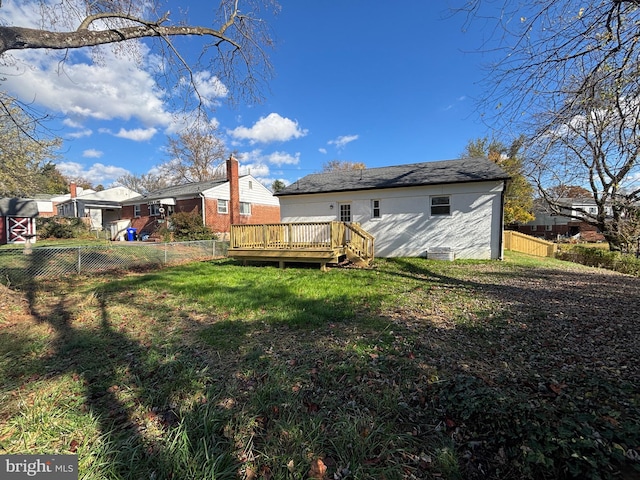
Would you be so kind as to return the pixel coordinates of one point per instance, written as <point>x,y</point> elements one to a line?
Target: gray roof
<point>188,190</point>
<point>18,207</point>
<point>415,174</point>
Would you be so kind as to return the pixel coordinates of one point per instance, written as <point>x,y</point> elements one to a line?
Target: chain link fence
<point>20,265</point>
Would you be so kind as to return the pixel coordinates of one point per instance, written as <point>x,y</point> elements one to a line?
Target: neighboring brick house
<point>551,226</point>
<point>232,200</point>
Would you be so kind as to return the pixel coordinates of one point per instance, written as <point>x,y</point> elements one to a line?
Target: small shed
<point>17,220</point>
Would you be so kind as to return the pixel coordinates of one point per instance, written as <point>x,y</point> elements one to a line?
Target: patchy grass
<point>412,369</point>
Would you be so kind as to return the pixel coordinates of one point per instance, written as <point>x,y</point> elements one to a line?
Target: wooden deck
<point>313,242</point>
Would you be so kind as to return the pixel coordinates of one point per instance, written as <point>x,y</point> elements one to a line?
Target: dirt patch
<point>14,307</point>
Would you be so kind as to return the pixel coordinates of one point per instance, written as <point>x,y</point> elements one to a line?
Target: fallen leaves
<point>318,469</point>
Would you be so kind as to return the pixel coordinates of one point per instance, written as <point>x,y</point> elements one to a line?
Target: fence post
<point>166,247</point>
<point>507,240</point>
<point>79,259</point>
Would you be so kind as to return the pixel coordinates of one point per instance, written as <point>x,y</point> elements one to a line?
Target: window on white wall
<point>345,212</point>
<point>375,208</point>
<point>223,206</point>
<point>245,208</point>
<point>441,205</point>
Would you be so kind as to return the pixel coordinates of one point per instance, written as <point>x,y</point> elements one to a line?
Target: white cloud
<point>258,164</point>
<point>258,170</point>
<point>92,153</point>
<point>80,133</point>
<point>256,156</point>
<point>68,122</point>
<point>137,134</point>
<point>209,87</point>
<point>97,173</point>
<point>283,158</point>
<point>457,101</point>
<point>117,88</point>
<point>24,11</point>
<point>323,151</point>
<point>343,140</point>
<point>272,128</point>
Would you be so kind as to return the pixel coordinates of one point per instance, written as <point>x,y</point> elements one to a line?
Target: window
<point>245,208</point>
<point>136,210</point>
<point>534,228</point>
<point>440,206</point>
<point>250,185</point>
<point>223,206</point>
<point>375,208</point>
<point>345,212</point>
<point>548,228</point>
<point>154,210</point>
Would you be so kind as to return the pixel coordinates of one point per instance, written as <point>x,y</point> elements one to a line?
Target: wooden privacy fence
<point>519,242</point>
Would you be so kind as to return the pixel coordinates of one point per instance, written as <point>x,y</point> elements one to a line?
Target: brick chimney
<point>73,189</point>
<point>234,190</point>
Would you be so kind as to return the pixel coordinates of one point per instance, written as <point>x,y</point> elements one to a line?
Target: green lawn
<point>526,368</point>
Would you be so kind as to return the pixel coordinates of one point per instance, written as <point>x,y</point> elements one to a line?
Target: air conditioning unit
<point>441,253</point>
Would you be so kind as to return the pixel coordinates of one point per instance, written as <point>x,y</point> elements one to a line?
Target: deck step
<point>356,259</point>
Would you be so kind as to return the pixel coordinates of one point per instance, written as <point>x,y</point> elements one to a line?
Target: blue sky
<point>355,80</point>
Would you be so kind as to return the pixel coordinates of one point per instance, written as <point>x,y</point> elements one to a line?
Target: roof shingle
<point>416,174</point>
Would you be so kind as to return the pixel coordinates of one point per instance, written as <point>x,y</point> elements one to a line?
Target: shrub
<point>61,227</point>
<point>189,226</point>
<point>597,257</point>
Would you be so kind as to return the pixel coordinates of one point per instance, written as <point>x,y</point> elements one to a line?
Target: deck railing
<point>288,235</point>
<point>359,240</point>
<point>324,235</point>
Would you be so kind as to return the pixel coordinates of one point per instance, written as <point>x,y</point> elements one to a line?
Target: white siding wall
<point>258,194</point>
<point>406,227</point>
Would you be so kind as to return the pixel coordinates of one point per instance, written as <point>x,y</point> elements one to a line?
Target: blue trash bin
<point>131,234</point>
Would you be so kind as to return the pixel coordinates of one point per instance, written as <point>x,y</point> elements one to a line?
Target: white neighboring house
<point>100,208</point>
<point>412,210</point>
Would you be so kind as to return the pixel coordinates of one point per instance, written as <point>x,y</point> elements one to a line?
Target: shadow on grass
<point>414,368</point>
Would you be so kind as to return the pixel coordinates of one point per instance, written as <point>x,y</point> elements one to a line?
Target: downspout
<point>501,236</point>
<point>204,216</point>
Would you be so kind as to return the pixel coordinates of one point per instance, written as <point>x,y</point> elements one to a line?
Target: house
<point>567,222</point>
<point>99,208</point>
<point>232,200</point>
<point>17,220</point>
<point>449,208</point>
